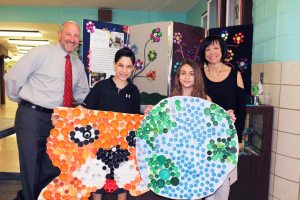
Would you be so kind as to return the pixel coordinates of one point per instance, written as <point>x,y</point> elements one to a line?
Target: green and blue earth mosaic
<point>186,147</point>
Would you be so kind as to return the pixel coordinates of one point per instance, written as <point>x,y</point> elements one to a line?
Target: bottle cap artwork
<point>183,149</point>
<point>93,150</point>
<point>186,147</point>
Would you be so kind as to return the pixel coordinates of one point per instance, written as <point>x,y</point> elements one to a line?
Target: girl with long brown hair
<point>188,81</point>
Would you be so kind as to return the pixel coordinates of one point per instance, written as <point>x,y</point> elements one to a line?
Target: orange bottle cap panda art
<point>93,150</point>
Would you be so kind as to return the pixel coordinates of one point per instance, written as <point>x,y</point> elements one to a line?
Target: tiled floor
<point>7,114</point>
<point>9,161</point>
<point>9,154</point>
<point>8,189</point>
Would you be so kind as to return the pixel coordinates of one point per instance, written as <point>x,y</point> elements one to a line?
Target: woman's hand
<point>241,146</point>
<point>148,109</point>
<point>54,119</point>
<point>231,115</point>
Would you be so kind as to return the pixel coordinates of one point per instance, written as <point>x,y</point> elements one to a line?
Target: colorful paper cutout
<point>186,147</point>
<point>93,149</point>
<point>140,65</point>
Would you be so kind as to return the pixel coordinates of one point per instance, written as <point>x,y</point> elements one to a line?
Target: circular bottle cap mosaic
<point>186,147</point>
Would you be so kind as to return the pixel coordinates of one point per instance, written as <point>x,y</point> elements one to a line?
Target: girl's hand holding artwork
<point>148,109</point>
<point>231,115</point>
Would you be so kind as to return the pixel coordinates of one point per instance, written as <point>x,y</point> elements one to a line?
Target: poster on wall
<point>150,43</point>
<point>159,48</point>
<point>101,41</point>
<point>186,42</point>
<point>239,52</point>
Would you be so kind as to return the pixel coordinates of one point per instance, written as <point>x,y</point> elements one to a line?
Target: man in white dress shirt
<point>36,82</point>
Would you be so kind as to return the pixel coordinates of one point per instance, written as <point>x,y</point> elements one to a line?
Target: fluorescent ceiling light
<point>27,42</point>
<point>18,33</point>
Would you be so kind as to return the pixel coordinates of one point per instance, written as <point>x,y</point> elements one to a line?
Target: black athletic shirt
<point>228,95</point>
<point>106,96</point>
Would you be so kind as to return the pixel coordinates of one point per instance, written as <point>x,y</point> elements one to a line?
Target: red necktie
<point>68,94</point>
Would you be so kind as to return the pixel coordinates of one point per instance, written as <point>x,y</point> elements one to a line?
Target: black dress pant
<point>32,130</point>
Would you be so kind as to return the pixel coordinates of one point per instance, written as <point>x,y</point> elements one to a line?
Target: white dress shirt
<point>39,77</point>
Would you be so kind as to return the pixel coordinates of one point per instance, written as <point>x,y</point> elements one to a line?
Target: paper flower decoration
<point>229,56</point>
<point>152,55</point>
<point>238,38</point>
<point>177,38</point>
<point>134,49</point>
<point>151,75</point>
<point>191,52</point>
<point>90,27</point>
<point>126,29</point>
<point>224,35</point>
<point>155,35</point>
<point>175,66</point>
<point>242,64</point>
<point>138,64</point>
<point>89,57</point>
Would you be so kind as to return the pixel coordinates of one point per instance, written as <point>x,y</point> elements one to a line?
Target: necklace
<point>214,73</point>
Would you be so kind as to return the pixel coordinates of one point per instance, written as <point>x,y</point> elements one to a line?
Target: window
<point>239,12</point>
<point>233,15</point>
<point>228,13</point>
<point>204,22</point>
<point>212,11</point>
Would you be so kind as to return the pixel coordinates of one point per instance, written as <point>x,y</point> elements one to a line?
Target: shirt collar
<point>111,82</point>
<point>62,52</point>
<point>113,85</point>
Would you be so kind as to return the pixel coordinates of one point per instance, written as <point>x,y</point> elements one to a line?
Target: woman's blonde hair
<point>198,87</point>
